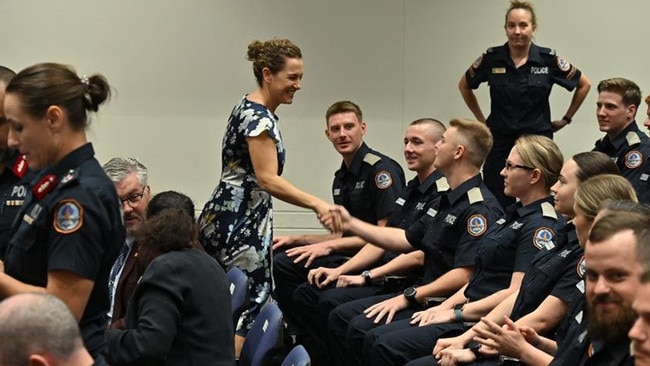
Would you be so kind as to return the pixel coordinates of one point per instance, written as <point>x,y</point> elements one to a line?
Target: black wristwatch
<point>366,277</point>
<point>474,346</point>
<point>409,294</point>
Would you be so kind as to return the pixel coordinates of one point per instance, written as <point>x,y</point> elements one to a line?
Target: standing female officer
<point>521,75</point>
<point>70,228</point>
<point>236,225</point>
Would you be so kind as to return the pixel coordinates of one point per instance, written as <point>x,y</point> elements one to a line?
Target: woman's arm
<point>474,310</point>
<point>265,164</point>
<point>470,99</point>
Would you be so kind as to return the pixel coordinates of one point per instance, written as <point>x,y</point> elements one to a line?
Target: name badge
<point>498,70</point>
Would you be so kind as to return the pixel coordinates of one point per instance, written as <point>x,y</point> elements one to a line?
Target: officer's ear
<point>55,117</point>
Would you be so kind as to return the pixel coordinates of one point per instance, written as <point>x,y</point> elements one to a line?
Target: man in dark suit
<point>130,178</point>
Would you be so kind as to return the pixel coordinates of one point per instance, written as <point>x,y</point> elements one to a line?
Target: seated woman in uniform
<point>170,318</point>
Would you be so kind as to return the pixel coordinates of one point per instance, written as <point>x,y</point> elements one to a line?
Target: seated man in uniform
<point>447,234</point>
<point>361,276</point>
<point>367,183</point>
<point>629,147</point>
<point>38,329</point>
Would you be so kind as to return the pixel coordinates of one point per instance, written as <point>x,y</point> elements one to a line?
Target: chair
<point>264,337</point>
<point>297,357</point>
<point>238,292</point>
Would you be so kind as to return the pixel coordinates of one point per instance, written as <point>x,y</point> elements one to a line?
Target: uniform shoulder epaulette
<point>548,211</point>
<point>474,195</point>
<point>442,184</point>
<point>547,51</point>
<point>490,50</point>
<point>632,138</point>
<point>69,177</point>
<point>371,158</point>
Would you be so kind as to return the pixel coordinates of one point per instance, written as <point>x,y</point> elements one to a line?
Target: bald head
<point>38,324</point>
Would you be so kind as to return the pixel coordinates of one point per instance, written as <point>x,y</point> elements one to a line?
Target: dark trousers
<point>400,342</point>
<point>288,276</point>
<point>348,327</point>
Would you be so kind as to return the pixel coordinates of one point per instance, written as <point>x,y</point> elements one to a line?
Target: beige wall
<point>178,68</point>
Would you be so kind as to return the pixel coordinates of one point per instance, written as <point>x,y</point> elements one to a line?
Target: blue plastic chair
<point>238,292</point>
<point>297,357</point>
<point>264,338</point>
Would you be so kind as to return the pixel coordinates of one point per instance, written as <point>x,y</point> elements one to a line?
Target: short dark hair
<point>170,199</point>
<point>592,163</point>
<point>627,89</point>
<point>6,74</point>
<point>343,106</point>
<point>170,229</point>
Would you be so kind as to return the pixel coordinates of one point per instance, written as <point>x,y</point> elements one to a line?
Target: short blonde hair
<point>593,191</point>
<point>476,138</point>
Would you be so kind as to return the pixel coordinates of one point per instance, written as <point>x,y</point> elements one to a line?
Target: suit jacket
<point>134,266</point>
<point>179,315</point>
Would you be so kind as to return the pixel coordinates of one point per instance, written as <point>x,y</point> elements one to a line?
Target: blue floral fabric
<point>236,225</point>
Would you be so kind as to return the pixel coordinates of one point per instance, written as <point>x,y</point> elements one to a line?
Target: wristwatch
<point>366,277</point>
<point>474,346</point>
<point>409,294</point>
<point>458,312</point>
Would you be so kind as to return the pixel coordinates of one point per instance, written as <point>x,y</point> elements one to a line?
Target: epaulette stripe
<point>371,158</point>
<point>548,210</point>
<point>474,195</point>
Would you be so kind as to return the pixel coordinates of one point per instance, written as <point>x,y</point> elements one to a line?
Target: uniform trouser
<point>494,163</point>
<point>314,306</point>
<point>348,327</point>
<point>400,342</point>
<point>288,276</point>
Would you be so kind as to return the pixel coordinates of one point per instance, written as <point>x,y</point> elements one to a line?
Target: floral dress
<point>236,225</point>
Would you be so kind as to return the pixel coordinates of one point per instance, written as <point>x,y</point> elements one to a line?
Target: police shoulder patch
<point>478,62</point>
<point>563,64</point>
<point>68,216</point>
<point>581,268</point>
<point>543,238</point>
<point>476,225</point>
<point>383,179</point>
<point>633,159</point>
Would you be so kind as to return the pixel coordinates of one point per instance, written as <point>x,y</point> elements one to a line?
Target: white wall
<point>178,68</point>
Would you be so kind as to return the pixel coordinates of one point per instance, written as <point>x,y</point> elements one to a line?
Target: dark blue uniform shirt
<point>72,221</point>
<point>519,96</point>
<point>552,272</point>
<point>12,193</point>
<point>449,233</point>
<point>511,245</point>
<point>370,186</point>
<point>630,150</point>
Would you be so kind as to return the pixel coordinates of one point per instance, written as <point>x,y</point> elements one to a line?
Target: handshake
<point>336,219</point>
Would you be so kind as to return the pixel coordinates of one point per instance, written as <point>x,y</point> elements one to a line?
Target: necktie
<point>114,276</point>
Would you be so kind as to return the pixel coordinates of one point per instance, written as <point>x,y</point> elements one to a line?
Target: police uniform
<point>630,150</point>
<point>412,203</point>
<point>518,100</point>
<point>447,235</point>
<point>368,189</point>
<point>12,193</point>
<point>509,246</point>
<point>580,349</point>
<point>553,272</point>
<point>72,221</point>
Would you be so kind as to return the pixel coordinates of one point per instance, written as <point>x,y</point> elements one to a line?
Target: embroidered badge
<point>68,216</point>
<point>476,225</point>
<point>633,159</point>
<point>477,63</point>
<point>383,180</point>
<point>581,268</point>
<point>563,64</point>
<point>543,238</point>
<point>44,186</point>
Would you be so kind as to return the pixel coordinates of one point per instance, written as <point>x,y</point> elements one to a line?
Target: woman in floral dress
<point>236,225</point>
